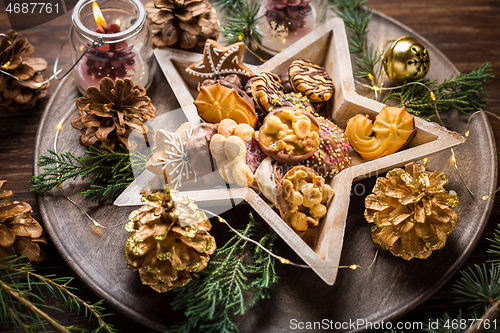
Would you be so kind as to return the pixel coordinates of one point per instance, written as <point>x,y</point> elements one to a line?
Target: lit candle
<point>113,60</point>
<point>127,53</point>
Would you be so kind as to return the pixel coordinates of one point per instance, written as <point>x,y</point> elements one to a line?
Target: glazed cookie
<point>171,159</point>
<point>289,135</point>
<point>200,159</point>
<point>332,155</point>
<point>293,100</point>
<point>220,100</point>
<point>265,88</point>
<point>309,79</point>
<point>219,61</point>
<point>303,197</point>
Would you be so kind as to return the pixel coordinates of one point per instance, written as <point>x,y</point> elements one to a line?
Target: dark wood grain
<point>465,31</point>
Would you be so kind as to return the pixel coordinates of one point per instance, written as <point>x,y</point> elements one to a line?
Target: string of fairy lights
<point>453,159</point>
<point>376,89</point>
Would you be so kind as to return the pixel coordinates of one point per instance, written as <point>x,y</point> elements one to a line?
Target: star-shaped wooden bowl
<point>326,46</point>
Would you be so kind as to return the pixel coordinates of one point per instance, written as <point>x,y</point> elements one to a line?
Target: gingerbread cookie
<point>220,100</point>
<point>220,61</point>
<point>309,79</point>
<point>332,155</point>
<point>171,159</point>
<point>265,88</point>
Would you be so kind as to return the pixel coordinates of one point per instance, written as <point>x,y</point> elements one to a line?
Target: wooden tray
<point>388,290</point>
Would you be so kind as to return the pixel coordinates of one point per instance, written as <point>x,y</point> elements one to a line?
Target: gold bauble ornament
<point>406,60</point>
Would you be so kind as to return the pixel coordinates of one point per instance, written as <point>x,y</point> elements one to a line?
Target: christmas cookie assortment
<point>267,131</point>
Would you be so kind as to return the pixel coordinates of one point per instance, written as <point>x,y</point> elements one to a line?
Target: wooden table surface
<point>466,31</point>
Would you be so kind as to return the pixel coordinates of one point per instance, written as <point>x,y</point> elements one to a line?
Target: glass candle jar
<point>127,51</point>
<point>284,22</point>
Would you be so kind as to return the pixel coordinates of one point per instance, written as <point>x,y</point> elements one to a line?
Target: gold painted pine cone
<point>15,59</point>
<point>169,241</point>
<point>412,212</point>
<point>20,234</point>
<point>184,23</point>
<point>108,114</point>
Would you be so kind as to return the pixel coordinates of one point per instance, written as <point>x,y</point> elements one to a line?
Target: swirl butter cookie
<point>309,79</point>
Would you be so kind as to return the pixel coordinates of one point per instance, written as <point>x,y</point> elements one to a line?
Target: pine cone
<point>169,241</point>
<point>411,211</point>
<point>20,234</point>
<point>15,60</point>
<point>188,23</point>
<point>109,115</point>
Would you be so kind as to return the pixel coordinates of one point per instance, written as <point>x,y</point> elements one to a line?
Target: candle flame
<point>99,18</point>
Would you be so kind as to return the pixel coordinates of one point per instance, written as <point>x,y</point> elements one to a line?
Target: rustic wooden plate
<point>391,288</point>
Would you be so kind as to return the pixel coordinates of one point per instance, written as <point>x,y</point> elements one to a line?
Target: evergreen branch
<point>20,297</point>
<point>107,172</point>
<point>211,302</point>
<point>228,4</point>
<point>21,288</point>
<point>480,287</point>
<point>367,62</point>
<point>465,92</point>
<point>356,20</point>
<point>495,244</point>
<point>243,23</point>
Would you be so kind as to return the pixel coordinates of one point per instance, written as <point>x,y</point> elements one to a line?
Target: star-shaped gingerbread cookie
<point>220,61</point>
<point>171,160</point>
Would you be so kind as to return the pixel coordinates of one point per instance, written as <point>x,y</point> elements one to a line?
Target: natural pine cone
<point>108,115</point>
<point>169,241</point>
<point>20,234</point>
<point>15,60</point>
<point>411,211</point>
<point>184,23</point>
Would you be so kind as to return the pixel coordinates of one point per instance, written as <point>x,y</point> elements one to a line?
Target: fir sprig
<point>243,24</point>
<point>478,286</point>
<point>107,172</point>
<point>22,301</point>
<point>466,92</point>
<point>495,244</point>
<point>228,4</point>
<point>356,19</point>
<point>239,267</point>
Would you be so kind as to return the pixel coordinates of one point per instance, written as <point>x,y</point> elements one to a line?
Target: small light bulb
<point>467,134</point>
<point>485,197</point>
<point>453,159</point>
<point>353,267</point>
<point>60,126</point>
<point>425,160</point>
<point>433,97</point>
